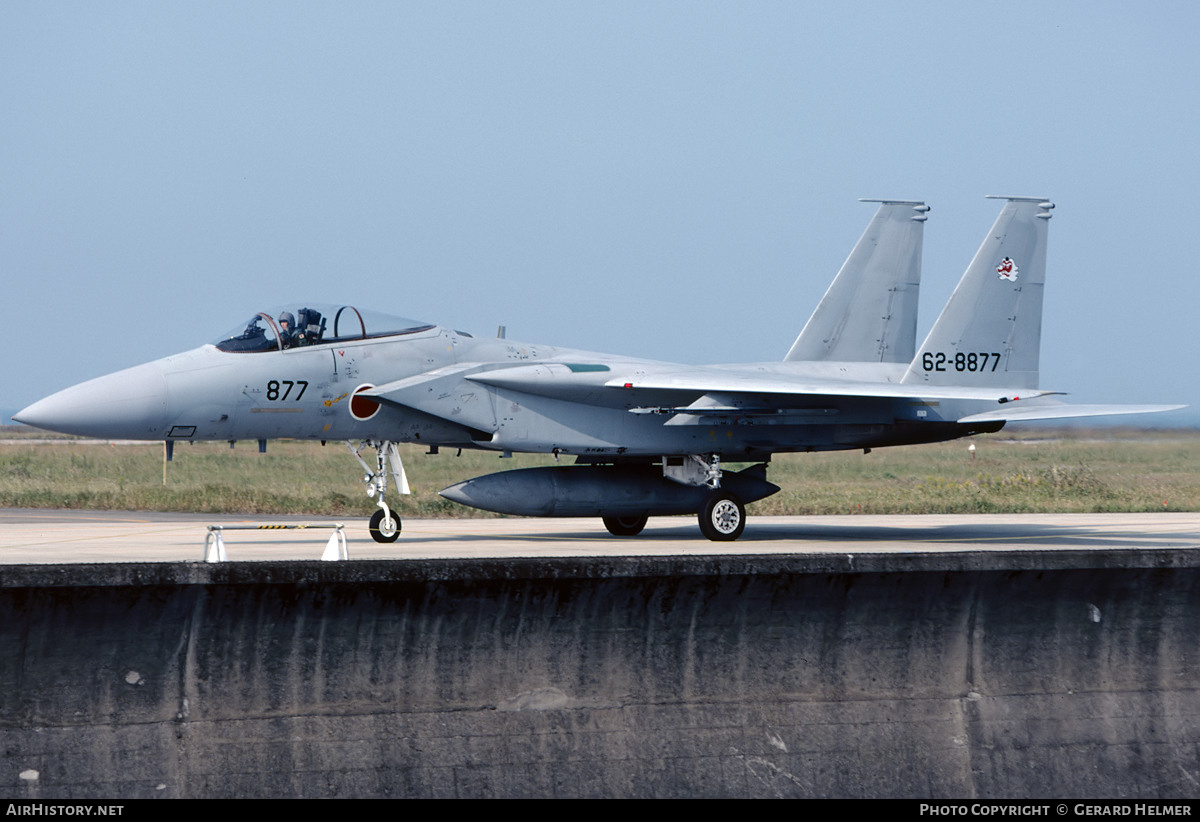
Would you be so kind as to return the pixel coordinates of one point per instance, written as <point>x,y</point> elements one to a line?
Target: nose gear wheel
<point>385,525</point>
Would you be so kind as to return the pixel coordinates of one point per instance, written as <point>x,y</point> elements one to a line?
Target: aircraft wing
<point>572,381</point>
<point>719,381</point>
<point>1008,409</point>
<point>458,392</point>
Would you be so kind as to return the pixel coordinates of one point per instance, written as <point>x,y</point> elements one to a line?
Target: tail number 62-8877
<point>961,361</point>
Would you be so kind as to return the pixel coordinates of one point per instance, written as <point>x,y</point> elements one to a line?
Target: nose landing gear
<point>385,523</point>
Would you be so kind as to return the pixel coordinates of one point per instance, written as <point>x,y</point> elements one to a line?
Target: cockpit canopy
<point>310,324</point>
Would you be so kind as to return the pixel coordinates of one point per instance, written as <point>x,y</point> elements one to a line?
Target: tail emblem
<point>1007,270</point>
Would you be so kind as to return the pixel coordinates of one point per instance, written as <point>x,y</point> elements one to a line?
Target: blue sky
<point>672,180</point>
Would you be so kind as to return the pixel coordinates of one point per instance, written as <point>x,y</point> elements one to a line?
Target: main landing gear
<point>722,519</point>
<point>385,523</point>
<point>722,514</point>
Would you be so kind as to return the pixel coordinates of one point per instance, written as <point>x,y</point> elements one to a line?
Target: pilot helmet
<point>286,317</point>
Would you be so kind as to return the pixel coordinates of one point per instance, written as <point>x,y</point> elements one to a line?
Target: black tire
<point>385,533</point>
<point>625,526</point>
<point>723,517</point>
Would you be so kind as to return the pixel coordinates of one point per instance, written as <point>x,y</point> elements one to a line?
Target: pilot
<point>287,328</point>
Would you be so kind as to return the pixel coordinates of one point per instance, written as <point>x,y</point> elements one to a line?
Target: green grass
<point>1031,470</point>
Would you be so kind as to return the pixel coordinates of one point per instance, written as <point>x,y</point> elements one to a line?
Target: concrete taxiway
<point>50,536</point>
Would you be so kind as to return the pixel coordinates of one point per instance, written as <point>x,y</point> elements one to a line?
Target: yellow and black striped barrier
<point>336,549</point>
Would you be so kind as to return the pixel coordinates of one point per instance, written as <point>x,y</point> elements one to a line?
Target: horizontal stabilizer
<point>1062,410</point>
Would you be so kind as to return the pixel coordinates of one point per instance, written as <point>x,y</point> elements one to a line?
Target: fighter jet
<point>647,438</point>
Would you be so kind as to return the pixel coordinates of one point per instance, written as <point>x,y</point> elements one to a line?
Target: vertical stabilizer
<point>990,331</point>
<point>869,313</point>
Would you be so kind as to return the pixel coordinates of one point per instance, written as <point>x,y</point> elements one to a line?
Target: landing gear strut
<point>385,523</point>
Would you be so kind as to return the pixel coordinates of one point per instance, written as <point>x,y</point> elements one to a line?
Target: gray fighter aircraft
<point>648,438</point>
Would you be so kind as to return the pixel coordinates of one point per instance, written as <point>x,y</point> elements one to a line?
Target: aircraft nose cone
<point>129,404</point>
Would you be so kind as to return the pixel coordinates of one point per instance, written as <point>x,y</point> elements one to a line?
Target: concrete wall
<point>1030,674</point>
